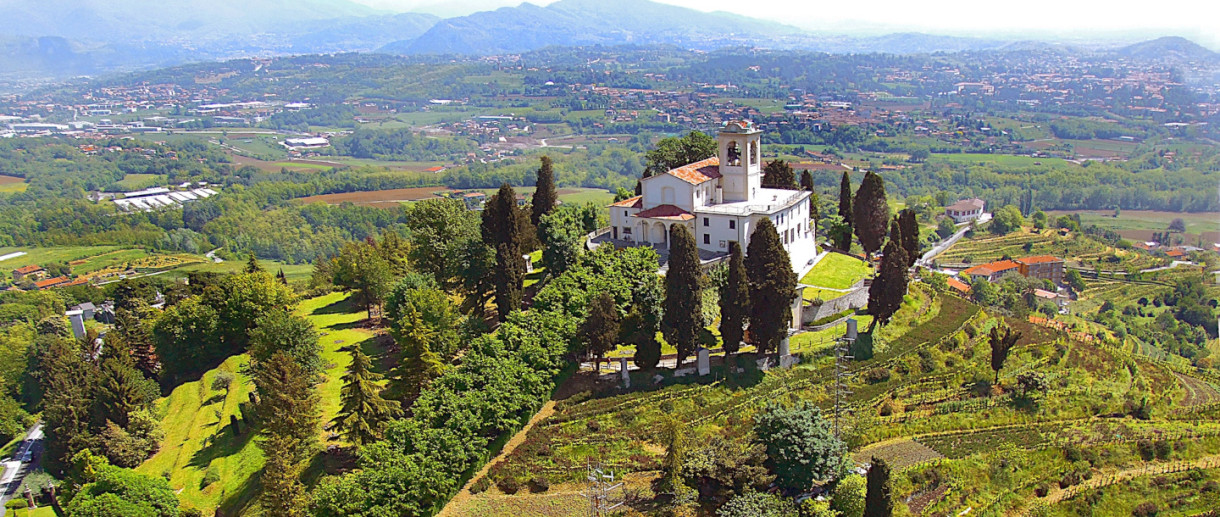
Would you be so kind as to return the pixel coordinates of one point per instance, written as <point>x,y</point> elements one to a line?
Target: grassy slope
<point>195,419</point>
<point>837,271</point>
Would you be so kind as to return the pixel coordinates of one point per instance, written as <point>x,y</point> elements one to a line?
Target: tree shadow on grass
<point>237,503</point>
<point>359,324</point>
<point>225,442</point>
<point>343,306</point>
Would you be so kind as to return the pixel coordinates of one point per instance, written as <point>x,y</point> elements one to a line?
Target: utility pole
<point>601,489</point>
<point>842,355</point>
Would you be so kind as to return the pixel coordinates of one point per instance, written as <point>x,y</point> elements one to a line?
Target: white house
<point>720,199</point>
<point>965,210</point>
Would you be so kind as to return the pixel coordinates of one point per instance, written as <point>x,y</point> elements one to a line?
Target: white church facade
<point>720,199</point>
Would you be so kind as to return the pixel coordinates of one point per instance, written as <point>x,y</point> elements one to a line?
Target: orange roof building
<point>959,285</point>
<point>51,282</point>
<point>992,271</point>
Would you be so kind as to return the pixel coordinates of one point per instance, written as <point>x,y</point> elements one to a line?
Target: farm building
<point>160,197</point>
<point>965,210</point>
<point>1044,267</point>
<point>306,143</point>
<point>32,272</point>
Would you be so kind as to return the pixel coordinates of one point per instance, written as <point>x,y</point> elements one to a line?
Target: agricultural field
<point>924,401</point>
<point>12,184</point>
<point>1138,225</point>
<point>1076,249</point>
<point>379,198</point>
<point>132,182</point>
<point>214,465</point>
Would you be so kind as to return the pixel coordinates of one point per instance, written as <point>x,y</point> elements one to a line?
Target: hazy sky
<point>1085,19</point>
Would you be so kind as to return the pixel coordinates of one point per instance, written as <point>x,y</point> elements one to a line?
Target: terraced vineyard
<point>1198,392</point>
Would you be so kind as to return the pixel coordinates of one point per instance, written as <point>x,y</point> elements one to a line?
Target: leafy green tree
<point>1074,280</point>
<point>363,412</point>
<point>562,234</point>
<point>848,496</point>
<point>772,287</point>
<point>838,231</point>
<point>890,286</point>
<point>1006,220</point>
<point>945,227</point>
<point>734,301</point>
<point>435,308</point>
<point>674,434</point>
<point>361,269</point>
<point>281,331</point>
<point>674,152</point>
<point>879,501</point>
<point>779,174</point>
<point>801,446</point>
<point>683,320</point>
<point>1002,342</point>
<point>1039,220</point>
<point>115,491</point>
<point>910,235</point>
<point>845,210</point>
<point>441,231</point>
<point>870,213</point>
<point>545,197</point>
<point>600,329</point>
<point>757,504</point>
<point>67,382</point>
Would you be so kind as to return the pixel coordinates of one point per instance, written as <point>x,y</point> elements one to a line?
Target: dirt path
<point>458,501</point>
<point>1147,469</point>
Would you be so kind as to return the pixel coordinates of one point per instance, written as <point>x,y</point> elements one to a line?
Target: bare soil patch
<point>379,198</point>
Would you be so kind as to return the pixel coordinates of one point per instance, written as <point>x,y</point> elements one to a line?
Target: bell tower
<point>740,160</point>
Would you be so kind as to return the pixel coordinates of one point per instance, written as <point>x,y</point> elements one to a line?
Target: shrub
<point>877,375</point>
<point>1071,452</point>
<point>190,512</point>
<point>1146,449</point>
<point>1042,490</point>
<point>1163,448</point>
<point>480,485</point>
<point>1146,509</point>
<point>17,503</point>
<point>508,485</point>
<point>593,425</point>
<point>539,484</point>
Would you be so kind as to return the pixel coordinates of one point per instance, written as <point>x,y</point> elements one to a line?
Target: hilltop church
<point>720,199</point>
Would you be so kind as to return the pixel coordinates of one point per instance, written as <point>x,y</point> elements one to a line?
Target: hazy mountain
<point>591,22</point>
<point>1171,48</point>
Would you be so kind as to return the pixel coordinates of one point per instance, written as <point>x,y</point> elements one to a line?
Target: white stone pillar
<point>703,361</point>
<point>77,318</point>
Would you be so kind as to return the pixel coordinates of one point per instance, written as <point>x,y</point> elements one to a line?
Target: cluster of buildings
<point>39,277</point>
<point>162,197</point>
<point>1044,267</point>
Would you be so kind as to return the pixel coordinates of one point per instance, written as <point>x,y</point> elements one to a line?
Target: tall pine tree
<point>890,285</point>
<point>845,201</point>
<point>418,364</point>
<point>363,411</point>
<point>870,213</point>
<point>772,287</point>
<point>544,193</point>
<point>734,301</point>
<point>878,502</point>
<point>288,409</point>
<point>683,319</point>
<point>910,235</point>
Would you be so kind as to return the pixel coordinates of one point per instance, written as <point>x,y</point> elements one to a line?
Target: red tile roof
<point>51,282</point>
<point>698,172</point>
<point>992,268</point>
<point>79,281</point>
<point>1040,259</point>
<point>28,269</point>
<point>631,202</point>
<point>666,212</point>
<point>959,285</point>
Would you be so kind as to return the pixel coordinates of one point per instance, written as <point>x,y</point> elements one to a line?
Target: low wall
<point>856,298</point>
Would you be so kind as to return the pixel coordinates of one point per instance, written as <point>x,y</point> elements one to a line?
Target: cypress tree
<point>910,235</point>
<point>890,285</point>
<point>363,411</point>
<point>280,276</point>
<point>845,200</point>
<point>807,185</point>
<point>734,301</point>
<point>501,229</point>
<point>683,319</point>
<point>600,329</point>
<point>544,193</point>
<point>877,500</point>
<point>779,174</point>
<point>870,213</point>
<point>772,287</point>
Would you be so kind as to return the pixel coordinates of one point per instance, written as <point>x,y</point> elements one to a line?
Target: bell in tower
<point>740,154</point>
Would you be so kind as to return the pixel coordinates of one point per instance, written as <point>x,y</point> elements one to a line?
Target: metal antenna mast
<point>842,355</point>
<point>601,489</point>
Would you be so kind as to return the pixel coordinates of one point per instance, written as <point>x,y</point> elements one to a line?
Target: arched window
<point>734,154</point>
<point>753,153</point>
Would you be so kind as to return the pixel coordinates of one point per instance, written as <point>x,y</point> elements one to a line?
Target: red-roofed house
<point>992,271</point>
<point>720,199</point>
<point>31,272</point>
<point>965,210</point>
<point>959,285</point>
<point>51,282</point>
<point>1045,267</point>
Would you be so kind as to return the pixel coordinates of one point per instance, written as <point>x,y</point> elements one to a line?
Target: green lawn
<point>837,271</point>
<point>139,181</point>
<point>292,271</point>
<point>195,418</point>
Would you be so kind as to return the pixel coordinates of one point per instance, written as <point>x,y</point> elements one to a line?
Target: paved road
<point>25,460</point>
